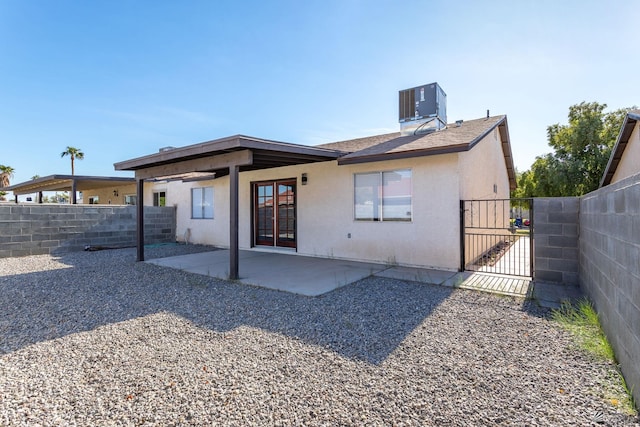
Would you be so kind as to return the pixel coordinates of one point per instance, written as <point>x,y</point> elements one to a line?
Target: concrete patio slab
<point>312,276</point>
<point>281,271</point>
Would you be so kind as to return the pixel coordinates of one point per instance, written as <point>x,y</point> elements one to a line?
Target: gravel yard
<point>94,338</point>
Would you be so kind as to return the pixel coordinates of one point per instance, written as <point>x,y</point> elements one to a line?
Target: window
<point>130,199</point>
<point>94,200</point>
<point>383,196</point>
<point>159,198</point>
<point>202,202</point>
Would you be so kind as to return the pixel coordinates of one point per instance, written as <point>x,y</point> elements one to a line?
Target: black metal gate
<point>496,236</point>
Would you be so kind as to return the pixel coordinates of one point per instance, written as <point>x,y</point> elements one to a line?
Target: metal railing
<point>497,236</point>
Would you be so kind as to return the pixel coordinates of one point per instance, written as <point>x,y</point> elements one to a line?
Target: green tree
<point>581,152</point>
<point>74,153</point>
<point>6,173</point>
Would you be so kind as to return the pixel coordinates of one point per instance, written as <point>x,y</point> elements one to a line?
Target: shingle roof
<point>452,139</point>
<point>353,145</point>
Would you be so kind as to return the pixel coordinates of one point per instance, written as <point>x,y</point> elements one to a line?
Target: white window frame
<point>378,198</point>
<point>201,205</point>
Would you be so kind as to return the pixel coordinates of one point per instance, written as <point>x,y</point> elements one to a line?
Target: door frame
<point>275,219</point>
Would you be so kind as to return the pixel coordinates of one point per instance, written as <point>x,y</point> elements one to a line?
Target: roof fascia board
<point>209,163</point>
<point>404,154</point>
<point>629,123</point>
<point>480,137</point>
<point>237,142</point>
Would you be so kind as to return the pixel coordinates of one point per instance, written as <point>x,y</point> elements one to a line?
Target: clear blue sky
<point>121,79</point>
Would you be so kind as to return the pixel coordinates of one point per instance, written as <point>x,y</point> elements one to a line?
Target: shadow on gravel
<point>366,320</point>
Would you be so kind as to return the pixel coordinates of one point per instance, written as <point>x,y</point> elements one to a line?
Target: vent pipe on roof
<point>487,114</point>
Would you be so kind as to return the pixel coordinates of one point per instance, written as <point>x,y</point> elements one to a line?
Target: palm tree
<point>74,153</point>
<point>6,173</point>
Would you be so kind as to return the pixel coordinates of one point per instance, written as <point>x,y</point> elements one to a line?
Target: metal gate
<point>496,236</point>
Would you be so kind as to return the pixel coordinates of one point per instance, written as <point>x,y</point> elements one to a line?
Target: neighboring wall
<point>33,229</point>
<point>610,268</point>
<point>555,239</point>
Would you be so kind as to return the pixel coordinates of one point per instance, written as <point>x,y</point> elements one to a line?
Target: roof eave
<point>626,130</point>
<point>219,146</point>
<point>403,154</point>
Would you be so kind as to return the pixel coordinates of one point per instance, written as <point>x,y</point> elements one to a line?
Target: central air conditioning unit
<point>422,109</point>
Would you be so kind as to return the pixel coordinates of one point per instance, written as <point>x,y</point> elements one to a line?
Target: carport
<point>71,183</point>
<point>221,157</point>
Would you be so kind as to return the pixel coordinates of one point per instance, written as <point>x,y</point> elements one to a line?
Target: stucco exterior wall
<point>325,213</point>
<point>482,167</point>
<point>630,162</point>
<point>197,231</point>
<point>106,196</point>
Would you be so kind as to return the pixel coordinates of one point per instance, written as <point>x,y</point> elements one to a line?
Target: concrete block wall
<point>610,268</point>
<point>32,229</point>
<point>555,241</point>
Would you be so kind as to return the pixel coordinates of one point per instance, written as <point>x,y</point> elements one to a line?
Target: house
<point>625,156</point>
<point>392,198</point>
<point>95,189</point>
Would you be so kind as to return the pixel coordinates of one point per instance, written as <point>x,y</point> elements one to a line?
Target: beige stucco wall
<point>105,195</point>
<point>630,162</point>
<point>325,213</point>
<point>198,231</point>
<point>480,169</point>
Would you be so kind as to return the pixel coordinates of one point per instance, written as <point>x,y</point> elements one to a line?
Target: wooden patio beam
<point>200,164</point>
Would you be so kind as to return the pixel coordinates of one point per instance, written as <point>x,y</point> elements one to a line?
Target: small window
<point>130,199</point>
<point>383,196</point>
<point>202,203</point>
<point>94,200</point>
<point>159,198</point>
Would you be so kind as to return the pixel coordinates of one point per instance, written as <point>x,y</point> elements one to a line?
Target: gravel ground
<point>93,338</point>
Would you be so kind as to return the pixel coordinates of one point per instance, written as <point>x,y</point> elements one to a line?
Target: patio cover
<point>70,183</point>
<point>226,156</point>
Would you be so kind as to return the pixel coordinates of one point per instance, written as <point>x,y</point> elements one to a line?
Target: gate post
<point>462,251</point>
<point>532,270</point>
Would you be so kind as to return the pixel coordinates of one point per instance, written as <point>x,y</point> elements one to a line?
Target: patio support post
<point>73,192</point>
<point>233,222</point>
<point>140,219</point>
